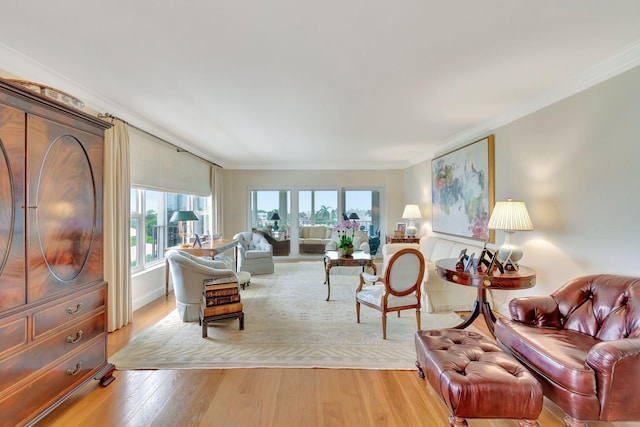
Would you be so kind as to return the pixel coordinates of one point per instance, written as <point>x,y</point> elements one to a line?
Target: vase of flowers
<point>346,230</point>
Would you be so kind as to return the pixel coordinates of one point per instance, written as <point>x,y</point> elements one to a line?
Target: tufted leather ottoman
<point>475,378</point>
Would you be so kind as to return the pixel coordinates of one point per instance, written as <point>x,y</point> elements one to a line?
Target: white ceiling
<point>326,84</point>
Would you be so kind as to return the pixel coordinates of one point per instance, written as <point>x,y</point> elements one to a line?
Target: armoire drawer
<point>35,397</point>
<point>13,335</point>
<point>40,354</point>
<point>68,310</point>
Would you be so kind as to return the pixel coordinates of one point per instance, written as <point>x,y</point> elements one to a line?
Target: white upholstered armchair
<point>255,253</point>
<point>187,273</point>
<point>398,289</point>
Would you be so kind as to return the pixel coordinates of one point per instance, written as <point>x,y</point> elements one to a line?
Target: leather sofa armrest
<point>616,366</point>
<point>540,311</point>
<point>610,356</point>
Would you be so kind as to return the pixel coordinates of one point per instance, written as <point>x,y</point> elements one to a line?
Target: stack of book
<point>221,296</point>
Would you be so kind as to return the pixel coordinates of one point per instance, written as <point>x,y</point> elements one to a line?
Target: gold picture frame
<point>462,190</point>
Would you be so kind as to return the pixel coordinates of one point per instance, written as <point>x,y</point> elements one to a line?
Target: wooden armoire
<point>53,297</point>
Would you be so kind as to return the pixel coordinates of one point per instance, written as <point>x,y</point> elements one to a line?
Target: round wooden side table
<point>522,278</point>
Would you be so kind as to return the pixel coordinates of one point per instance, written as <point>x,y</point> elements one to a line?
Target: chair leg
<point>384,326</point>
<point>572,422</point>
<point>418,318</point>
<point>457,421</point>
<point>358,312</point>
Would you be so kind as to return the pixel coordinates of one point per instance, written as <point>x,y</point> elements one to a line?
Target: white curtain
<point>216,199</point>
<point>117,256</point>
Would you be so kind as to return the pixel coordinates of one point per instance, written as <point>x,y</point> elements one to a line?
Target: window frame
<point>138,212</point>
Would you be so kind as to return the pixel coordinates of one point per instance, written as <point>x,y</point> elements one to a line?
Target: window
<point>265,203</point>
<point>151,232</point>
<point>318,207</point>
<point>298,208</point>
<point>366,205</point>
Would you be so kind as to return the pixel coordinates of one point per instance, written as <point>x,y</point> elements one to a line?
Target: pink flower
<point>346,230</point>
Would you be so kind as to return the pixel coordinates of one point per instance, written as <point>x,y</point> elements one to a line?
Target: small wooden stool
<point>204,321</point>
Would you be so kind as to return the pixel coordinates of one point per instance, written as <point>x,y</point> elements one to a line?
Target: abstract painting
<point>462,190</point>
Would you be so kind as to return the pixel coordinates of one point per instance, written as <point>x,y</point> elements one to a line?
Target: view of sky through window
<point>356,200</point>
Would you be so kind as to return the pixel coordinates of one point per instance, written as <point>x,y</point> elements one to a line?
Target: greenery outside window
<point>150,230</point>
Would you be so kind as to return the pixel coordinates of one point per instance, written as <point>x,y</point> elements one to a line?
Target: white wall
<point>148,285</point>
<point>576,164</point>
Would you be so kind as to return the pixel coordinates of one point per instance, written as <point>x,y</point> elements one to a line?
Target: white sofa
<point>360,241</point>
<point>312,239</point>
<point>437,294</point>
<point>316,239</point>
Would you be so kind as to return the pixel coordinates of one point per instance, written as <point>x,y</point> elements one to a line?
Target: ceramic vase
<point>346,251</point>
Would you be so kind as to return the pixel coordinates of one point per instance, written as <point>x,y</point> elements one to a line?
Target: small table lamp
<point>354,216</point>
<point>181,217</point>
<point>510,216</point>
<point>275,217</point>
<point>411,212</point>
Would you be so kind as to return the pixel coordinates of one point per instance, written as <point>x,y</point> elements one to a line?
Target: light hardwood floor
<point>262,397</point>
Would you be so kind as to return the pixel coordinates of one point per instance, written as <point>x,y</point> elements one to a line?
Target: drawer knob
<point>78,337</point>
<point>76,371</point>
<point>74,310</point>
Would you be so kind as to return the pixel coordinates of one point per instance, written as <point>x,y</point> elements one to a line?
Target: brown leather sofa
<point>582,343</point>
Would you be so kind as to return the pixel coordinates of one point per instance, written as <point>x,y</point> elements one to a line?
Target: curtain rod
<point>178,148</point>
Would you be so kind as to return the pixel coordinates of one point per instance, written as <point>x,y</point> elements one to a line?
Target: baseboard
<point>145,299</point>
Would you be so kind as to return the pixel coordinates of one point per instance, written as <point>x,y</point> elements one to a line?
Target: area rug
<point>288,324</point>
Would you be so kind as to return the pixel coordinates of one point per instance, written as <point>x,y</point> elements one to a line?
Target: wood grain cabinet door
<point>12,264</point>
<point>64,170</point>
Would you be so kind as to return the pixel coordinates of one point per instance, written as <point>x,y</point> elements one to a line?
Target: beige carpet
<point>288,324</point>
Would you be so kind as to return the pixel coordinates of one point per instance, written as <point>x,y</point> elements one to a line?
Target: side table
<point>392,239</point>
<point>333,259</point>
<point>522,278</point>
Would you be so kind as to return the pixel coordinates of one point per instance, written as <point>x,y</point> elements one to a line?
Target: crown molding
<point>622,61</point>
<point>23,67</point>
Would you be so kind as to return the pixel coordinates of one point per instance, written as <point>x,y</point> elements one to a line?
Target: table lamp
<point>510,216</point>
<point>181,217</point>
<point>411,212</point>
<point>275,217</point>
<point>354,216</point>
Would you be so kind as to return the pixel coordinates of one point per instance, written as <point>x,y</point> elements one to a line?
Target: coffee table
<point>333,259</point>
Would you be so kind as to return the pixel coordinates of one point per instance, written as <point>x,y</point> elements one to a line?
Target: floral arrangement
<point>346,230</point>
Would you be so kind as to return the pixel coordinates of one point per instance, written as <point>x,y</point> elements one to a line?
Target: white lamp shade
<point>411,212</point>
<point>510,215</point>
